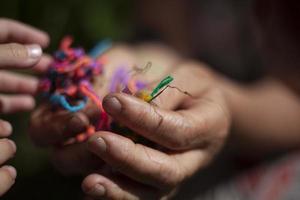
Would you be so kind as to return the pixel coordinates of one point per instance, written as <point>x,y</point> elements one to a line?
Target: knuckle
<point>160,128</point>
<point>182,139</point>
<point>203,124</point>
<point>141,115</point>
<point>170,176</point>
<point>158,118</point>
<point>201,135</point>
<point>127,156</point>
<point>21,86</point>
<point>16,51</point>
<point>175,144</point>
<point>144,119</point>
<point>115,192</point>
<point>165,174</point>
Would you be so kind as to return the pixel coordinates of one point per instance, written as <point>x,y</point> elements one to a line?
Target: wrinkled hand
<point>23,53</point>
<point>189,130</point>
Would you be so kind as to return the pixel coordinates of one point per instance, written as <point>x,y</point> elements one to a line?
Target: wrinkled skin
<point>189,130</point>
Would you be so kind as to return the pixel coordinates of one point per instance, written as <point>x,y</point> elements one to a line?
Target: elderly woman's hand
<point>188,131</point>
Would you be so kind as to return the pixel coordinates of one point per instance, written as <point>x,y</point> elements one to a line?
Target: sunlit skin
<point>189,131</point>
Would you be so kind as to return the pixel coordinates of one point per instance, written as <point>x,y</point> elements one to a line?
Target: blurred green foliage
<point>88,21</point>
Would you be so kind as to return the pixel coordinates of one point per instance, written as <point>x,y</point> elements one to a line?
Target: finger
<point>5,128</point>
<point>114,188</point>
<point>48,127</point>
<point>92,112</point>
<point>136,161</point>
<point>168,126</point>
<point>198,123</point>
<point>99,187</point>
<point>20,56</point>
<point>75,159</point>
<point>43,65</point>
<point>161,126</point>
<point>7,149</point>
<point>17,83</point>
<point>16,103</point>
<point>8,175</point>
<point>13,31</point>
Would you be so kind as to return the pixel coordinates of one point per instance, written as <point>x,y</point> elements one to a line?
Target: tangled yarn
<point>69,83</point>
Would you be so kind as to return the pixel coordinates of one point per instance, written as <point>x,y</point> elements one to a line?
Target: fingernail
<point>76,125</point>
<point>112,105</point>
<point>34,51</point>
<point>6,128</point>
<point>97,145</point>
<point>13,145</point>
<point>12,171</point>
<point>97,191</point>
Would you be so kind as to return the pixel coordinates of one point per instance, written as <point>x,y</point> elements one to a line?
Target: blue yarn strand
<point>61,100</point>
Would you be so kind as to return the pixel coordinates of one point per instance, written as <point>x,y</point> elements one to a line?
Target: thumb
<point>159,125</point>
<point>15,55</point>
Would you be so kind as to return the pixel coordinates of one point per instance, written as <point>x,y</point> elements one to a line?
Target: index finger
<point>48,127</point>
<point>13,31</point>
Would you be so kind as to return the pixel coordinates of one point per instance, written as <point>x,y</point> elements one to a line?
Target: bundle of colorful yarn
<point>69,83</point>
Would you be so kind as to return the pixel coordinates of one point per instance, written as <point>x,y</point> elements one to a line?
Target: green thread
<point>162,84</point>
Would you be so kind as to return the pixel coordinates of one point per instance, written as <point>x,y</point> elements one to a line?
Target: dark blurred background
<point>215,31</point>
